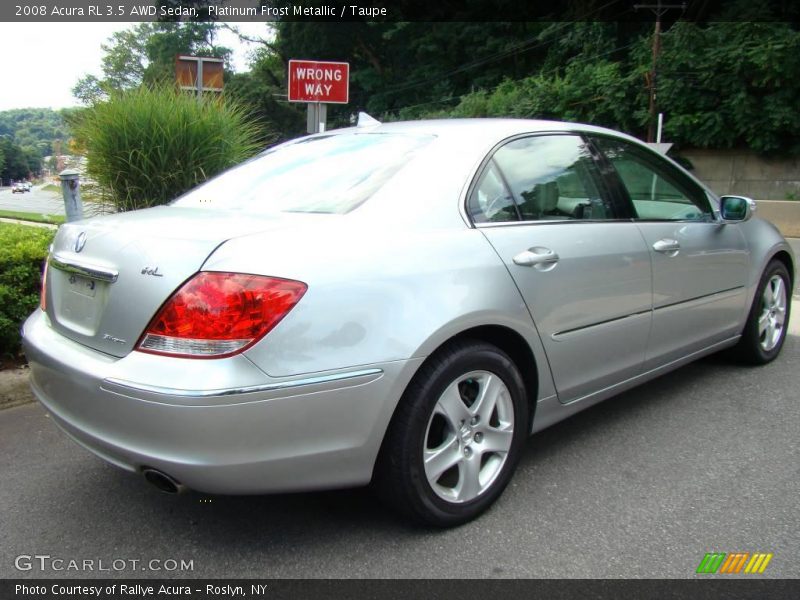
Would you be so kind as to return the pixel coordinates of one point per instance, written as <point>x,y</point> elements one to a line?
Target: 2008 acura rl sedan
<point>400,304</point>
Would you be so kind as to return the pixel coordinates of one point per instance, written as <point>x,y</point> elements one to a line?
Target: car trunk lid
<point>108,276</point>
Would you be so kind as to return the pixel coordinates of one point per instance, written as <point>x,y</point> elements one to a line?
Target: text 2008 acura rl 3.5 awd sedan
<point>400,303</point>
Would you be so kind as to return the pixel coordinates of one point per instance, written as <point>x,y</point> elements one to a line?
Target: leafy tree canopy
<point>145,54</point>
<point>17,163</point>
<point>27,135</point>
<point>720,82</point>
<point>33,128</point>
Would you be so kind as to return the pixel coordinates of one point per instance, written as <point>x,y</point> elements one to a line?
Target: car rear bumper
<point>233,430</point>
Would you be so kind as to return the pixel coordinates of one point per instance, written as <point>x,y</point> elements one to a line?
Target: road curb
<point>15,388</point>
<point>31,223</point>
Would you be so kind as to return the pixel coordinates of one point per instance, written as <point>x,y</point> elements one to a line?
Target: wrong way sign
<point>319,81</point>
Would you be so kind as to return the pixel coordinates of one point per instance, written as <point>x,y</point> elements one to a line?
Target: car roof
<point>481,127</point>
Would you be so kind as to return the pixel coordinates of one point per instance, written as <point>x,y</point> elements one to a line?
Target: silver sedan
<point>401,304</point>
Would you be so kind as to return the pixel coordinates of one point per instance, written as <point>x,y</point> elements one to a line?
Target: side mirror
<point>736,209</point>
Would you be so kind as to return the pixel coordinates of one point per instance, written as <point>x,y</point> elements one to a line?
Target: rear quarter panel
<point>379,295</point>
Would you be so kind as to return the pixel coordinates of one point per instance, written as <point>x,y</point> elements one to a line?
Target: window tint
<point>658,191</point>
<point>490,201</point>
<point>324,174</point>
<point>551,178</point>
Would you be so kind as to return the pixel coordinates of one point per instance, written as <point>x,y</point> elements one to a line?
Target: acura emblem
<point>80,242</point>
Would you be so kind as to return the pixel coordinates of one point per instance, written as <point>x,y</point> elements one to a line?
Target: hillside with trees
<point>26,136</point>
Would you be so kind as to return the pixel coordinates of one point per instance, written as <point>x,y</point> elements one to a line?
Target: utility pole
<point>658,9</point>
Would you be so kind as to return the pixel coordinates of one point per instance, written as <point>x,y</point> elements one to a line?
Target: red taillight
<point>43,294</point>
<point>214,315</point>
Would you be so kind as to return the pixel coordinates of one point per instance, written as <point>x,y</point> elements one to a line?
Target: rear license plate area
<point>84,286</point>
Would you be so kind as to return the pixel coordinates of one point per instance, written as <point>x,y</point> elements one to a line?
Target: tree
<point>398,65</point>
<point>167,40</point>
<point>732,84</point>
<point>720,83</point>
<point>89,90</point>
<point>18,162</point>
<point>33,128</point>
<point>590,92</point>
<point>125,57</point>
<point>261,90</point>
<point>145,54</point>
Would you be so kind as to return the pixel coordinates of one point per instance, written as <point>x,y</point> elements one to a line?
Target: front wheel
<point>456,436</point>
<point>765,330</point>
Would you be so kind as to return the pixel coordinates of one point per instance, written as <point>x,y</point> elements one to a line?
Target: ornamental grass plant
<point>145,147</point>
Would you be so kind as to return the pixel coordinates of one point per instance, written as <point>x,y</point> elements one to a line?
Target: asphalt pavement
<point>38,200</point>
<point>641,486</point>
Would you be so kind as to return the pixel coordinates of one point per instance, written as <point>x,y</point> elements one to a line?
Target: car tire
<point>765,329</point>
<point>456,436</point>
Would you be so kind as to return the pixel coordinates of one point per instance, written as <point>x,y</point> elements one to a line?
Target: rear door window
<point>548,178</point>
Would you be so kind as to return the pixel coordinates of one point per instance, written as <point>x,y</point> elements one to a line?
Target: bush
<point>24,249</point>
<point>147,146</point>
<point>598,93</point>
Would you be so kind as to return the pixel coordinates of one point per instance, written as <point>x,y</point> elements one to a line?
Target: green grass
<point>52,187</point>
<point>35,217</point>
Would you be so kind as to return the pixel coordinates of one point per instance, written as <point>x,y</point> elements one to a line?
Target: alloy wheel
<point>773,313</point>
<point>468,437</point>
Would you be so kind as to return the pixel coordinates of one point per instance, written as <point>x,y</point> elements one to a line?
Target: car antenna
<point>364,120</point>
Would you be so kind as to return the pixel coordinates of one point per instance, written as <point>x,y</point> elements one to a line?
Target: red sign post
<point>318,81</point>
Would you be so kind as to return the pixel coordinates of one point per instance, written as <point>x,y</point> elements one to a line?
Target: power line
<point>519,48</point>
<point>541,73</point>
<point>659,10</point>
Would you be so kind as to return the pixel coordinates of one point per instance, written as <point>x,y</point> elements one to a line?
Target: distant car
<point>400,303</point>
<point>28,185</point>
<point>19,187</point>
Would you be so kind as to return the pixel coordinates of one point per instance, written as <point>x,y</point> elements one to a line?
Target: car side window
<point>657,190</point>
<point>490,201</point>
<point>552,178</point>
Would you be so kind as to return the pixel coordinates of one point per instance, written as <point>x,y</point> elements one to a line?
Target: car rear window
<point>323,174</point>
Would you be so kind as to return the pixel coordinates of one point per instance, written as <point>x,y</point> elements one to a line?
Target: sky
<point>41,62</point>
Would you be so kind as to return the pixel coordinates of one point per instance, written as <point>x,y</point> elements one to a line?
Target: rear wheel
<point>456,436</point>
<point>765,330</point>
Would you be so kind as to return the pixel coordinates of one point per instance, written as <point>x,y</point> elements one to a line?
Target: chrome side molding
<point>281,385</point>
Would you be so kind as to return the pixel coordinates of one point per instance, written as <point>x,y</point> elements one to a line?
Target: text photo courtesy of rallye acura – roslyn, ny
<point>138,590</point>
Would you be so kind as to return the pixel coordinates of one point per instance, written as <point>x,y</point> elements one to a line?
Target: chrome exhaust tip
<point>163,482</point>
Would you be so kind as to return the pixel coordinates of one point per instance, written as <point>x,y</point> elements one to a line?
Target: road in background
<point>38,201</point>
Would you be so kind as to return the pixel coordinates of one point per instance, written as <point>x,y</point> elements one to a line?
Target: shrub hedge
<point>22,253</point>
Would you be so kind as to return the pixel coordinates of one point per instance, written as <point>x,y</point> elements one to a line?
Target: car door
<point>699,263</point>
<point>584,274</point>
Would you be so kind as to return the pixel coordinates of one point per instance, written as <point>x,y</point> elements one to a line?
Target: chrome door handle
<point>536,256</point>
<point>667,246</point>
